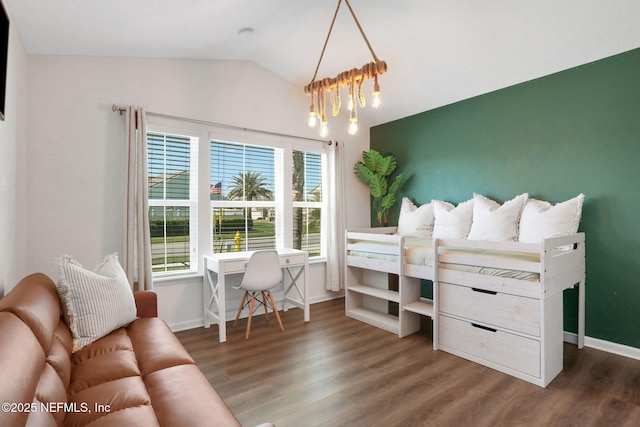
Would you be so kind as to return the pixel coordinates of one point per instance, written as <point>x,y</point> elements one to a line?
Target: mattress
<point>417,251</point>
<point>420,252</point>
<point>495,256</point>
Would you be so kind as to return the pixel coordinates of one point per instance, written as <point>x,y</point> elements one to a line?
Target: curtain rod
<point>119,109</point>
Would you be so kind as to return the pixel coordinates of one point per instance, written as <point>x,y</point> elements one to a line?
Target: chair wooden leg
<point>275,310</point>
<point>264,303</point>
<point>244,298</point>
<point>251,303</point>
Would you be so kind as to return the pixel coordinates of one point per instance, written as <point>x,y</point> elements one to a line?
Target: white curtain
<point>335,220</point>
<point>136,259</point>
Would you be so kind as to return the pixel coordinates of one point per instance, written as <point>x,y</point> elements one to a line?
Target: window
<point>243,196</point>
<point>245,201</point>
<point>307,201</point>
<point>172,201</point>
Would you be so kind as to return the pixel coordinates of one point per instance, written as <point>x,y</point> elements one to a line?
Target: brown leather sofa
<point>136,376</point>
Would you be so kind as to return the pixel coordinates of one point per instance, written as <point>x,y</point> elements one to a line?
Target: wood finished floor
<point>336,371</point>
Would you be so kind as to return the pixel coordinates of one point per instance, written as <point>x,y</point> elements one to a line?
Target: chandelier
<point>352,79</point>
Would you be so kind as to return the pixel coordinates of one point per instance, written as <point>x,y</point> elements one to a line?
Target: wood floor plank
<point>337,371</point>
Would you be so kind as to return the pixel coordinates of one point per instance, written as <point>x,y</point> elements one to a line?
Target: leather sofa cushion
<point>182,396</point>
<point>60,352</point>
<point>35,351</point>
<point>132,368</point>
<point>155,346</point>
<point>37,305</point>
<point>22,359</point>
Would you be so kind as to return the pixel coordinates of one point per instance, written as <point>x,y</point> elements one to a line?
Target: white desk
<point>218,266</point>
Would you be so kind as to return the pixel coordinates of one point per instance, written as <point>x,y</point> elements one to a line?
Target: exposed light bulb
<point>313,113</point>
<point>353,127</point>
<point>375,102</point>
<point>324,129</point>
<point>353,122</point>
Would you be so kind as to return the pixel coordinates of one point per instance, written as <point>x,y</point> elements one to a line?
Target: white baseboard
<point>611,347</point>
<point>608,346</point>
<point>231,313</point>
<point>326,297</point>
<point>570,337</point>
<point>183,326</point>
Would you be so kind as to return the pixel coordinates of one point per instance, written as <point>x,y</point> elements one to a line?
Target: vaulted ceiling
<point>438,51</point>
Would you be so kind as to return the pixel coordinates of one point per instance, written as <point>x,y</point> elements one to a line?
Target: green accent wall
<point>576,131</point>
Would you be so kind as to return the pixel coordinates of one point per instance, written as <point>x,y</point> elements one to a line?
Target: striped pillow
<point>94,303</point>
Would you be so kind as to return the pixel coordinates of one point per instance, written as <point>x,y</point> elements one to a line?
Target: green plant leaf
<point>388,201</point>
<point>378,186</point>
<point>386,165</point>
<point>395,185</point>
<point>371,159</point>
<point>362,172</point>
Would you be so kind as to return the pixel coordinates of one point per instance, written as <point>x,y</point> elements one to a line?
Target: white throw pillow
<point>452,222</point>
<point>495,222</point>
<point>542,220</point>
<point>94,303</point>
<point>415,221</point>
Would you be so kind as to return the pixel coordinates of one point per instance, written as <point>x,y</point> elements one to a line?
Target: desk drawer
<point>235,266</point>
<point>287,260</point>
<point>494,308</point>
<point>502,348</point>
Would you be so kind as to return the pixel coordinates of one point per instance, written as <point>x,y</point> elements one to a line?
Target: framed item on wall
<point>4,57</point>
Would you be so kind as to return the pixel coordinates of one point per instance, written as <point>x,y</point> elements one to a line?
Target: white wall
<point>75,149</point>
<point>12,168</point>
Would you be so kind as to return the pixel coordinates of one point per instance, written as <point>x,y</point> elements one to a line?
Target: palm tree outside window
<point>258,196</point>
<point>244,212</point>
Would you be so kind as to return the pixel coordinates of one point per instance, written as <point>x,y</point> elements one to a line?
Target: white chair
<point>261,274</point>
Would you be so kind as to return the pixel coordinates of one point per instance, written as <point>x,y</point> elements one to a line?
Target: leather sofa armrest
<point>146,303</point>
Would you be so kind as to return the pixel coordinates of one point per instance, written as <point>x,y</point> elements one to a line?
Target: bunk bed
<point>495,303</point>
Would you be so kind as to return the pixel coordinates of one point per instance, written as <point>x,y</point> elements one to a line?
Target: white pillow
<point>452,222</point>
<point>495,222</point>
<point>94,303</point>
<point>542,220</point>
<point>415,221</point>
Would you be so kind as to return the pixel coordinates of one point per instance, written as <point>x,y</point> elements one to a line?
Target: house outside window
<point>172,172</point>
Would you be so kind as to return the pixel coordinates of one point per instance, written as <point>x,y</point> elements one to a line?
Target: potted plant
<point>375,170</point>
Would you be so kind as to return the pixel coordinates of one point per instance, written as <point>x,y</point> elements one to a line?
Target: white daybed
<point>496,303</point>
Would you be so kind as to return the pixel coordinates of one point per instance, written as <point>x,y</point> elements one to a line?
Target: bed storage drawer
<point>489,346</point>
<point>511,312</point>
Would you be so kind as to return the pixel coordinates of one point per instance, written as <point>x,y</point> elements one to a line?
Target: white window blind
<point>243,196</point>
<point>172,172</point>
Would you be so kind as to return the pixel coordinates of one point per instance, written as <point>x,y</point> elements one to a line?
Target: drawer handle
<point>486,328</point>
<point>484,291</point>
<point>288,261</point>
